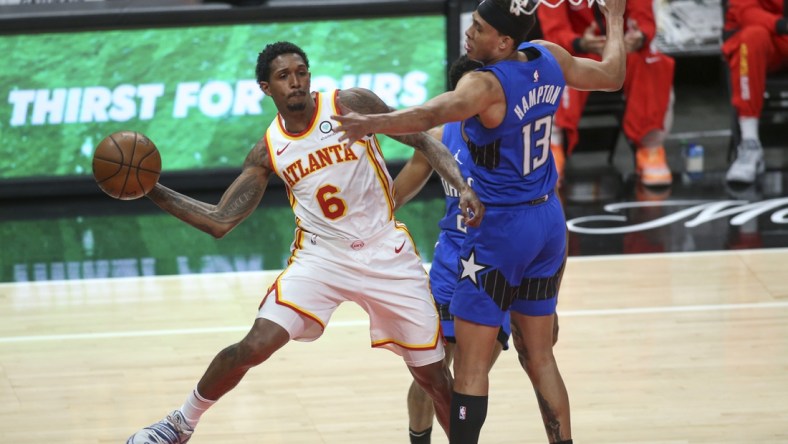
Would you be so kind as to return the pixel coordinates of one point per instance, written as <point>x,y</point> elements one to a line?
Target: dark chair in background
<point>600,126</point>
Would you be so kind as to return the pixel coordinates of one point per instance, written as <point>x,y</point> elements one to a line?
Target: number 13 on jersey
<point>536,136</point>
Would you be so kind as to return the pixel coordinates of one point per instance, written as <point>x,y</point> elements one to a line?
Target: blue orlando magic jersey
<point>451,223</point>
<point>445,263</point>
<point>512,162</point>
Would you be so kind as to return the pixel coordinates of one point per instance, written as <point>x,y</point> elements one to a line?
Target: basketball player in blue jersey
<point>515,259</point>
<point>444,269</point>
<point>347,247</point>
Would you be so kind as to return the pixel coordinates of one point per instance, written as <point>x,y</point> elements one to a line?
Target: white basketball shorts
<point>383,274</point>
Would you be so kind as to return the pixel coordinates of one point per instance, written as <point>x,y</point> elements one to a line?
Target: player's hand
<point>354,126</point>
<point>634,37</point>
<point>613,8</point>
<point>471,207</point>
<point>591,42</point>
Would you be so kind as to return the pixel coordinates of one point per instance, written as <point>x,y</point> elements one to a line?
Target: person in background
<point>648,86</point>
<point>755,42</point>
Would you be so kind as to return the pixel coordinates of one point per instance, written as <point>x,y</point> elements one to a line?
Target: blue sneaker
<point>170,430</point>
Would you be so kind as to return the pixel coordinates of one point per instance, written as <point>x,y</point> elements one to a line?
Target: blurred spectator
<point>648,87</point>
<point>755,43</point>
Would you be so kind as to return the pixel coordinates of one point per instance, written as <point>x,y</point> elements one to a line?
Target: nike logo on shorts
<point>279,152</point>
<point>397,250</point>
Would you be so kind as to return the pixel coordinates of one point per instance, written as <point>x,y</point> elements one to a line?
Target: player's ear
<point>265,88</point>
<point>504,42</point>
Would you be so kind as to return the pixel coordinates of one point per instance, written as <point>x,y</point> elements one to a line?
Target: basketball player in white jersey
<point>347,247</point>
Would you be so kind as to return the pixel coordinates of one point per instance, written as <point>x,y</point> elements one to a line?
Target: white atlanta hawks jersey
<point>335,191</point>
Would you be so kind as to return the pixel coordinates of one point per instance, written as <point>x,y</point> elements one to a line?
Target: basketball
<point>126,165</point>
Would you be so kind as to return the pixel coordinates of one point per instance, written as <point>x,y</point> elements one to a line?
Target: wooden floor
<point>686,348</point>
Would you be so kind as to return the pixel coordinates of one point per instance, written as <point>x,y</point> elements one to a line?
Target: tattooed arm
<point>414,175</point>
<point>236,204</point>
<point>364,101</point>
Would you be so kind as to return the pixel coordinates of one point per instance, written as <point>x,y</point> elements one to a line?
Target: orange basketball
<point>126,165</point>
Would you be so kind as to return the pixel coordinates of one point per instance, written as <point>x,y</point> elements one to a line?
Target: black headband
<point>500,20</point>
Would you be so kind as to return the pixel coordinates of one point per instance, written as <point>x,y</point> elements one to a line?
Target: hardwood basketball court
<point>666,348</point>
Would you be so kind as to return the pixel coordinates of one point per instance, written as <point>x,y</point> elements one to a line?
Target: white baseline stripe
<point>365,322</point>
<point>676,254</point>
<point>673,309</point>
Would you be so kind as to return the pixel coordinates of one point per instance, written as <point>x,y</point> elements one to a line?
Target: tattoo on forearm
<point>177,204</point>
<point>236,203</point>
<point>238,199</point>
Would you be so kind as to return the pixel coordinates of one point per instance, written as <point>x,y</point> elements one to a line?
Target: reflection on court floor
<point>619,220</point>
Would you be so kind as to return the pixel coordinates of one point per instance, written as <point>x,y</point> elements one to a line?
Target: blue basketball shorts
<point>443,280</point>
<point>513,261</point>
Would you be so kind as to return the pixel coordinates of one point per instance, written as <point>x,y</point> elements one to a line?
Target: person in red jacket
<point>755,42</point>
<point>648,87</point>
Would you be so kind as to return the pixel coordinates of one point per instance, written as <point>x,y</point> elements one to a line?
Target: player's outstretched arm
<point>475,92</point>
<point>362,101</point>
<point>607,74</point>
<point>236,204</point>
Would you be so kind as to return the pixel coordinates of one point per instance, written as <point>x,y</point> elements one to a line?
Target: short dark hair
<point>525,22</point>
<point>459,68</point>
<point>272,51</point>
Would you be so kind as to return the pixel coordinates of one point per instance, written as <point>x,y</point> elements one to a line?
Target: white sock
<point>749,127</point>
<point>194,407</point>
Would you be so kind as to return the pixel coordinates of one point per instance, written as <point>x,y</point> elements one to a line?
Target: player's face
<point>481,39</point>
<point>289,83</point>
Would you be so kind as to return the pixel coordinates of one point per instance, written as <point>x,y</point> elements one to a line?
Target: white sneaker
<point>748,164</point>
<point>170,430</point>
